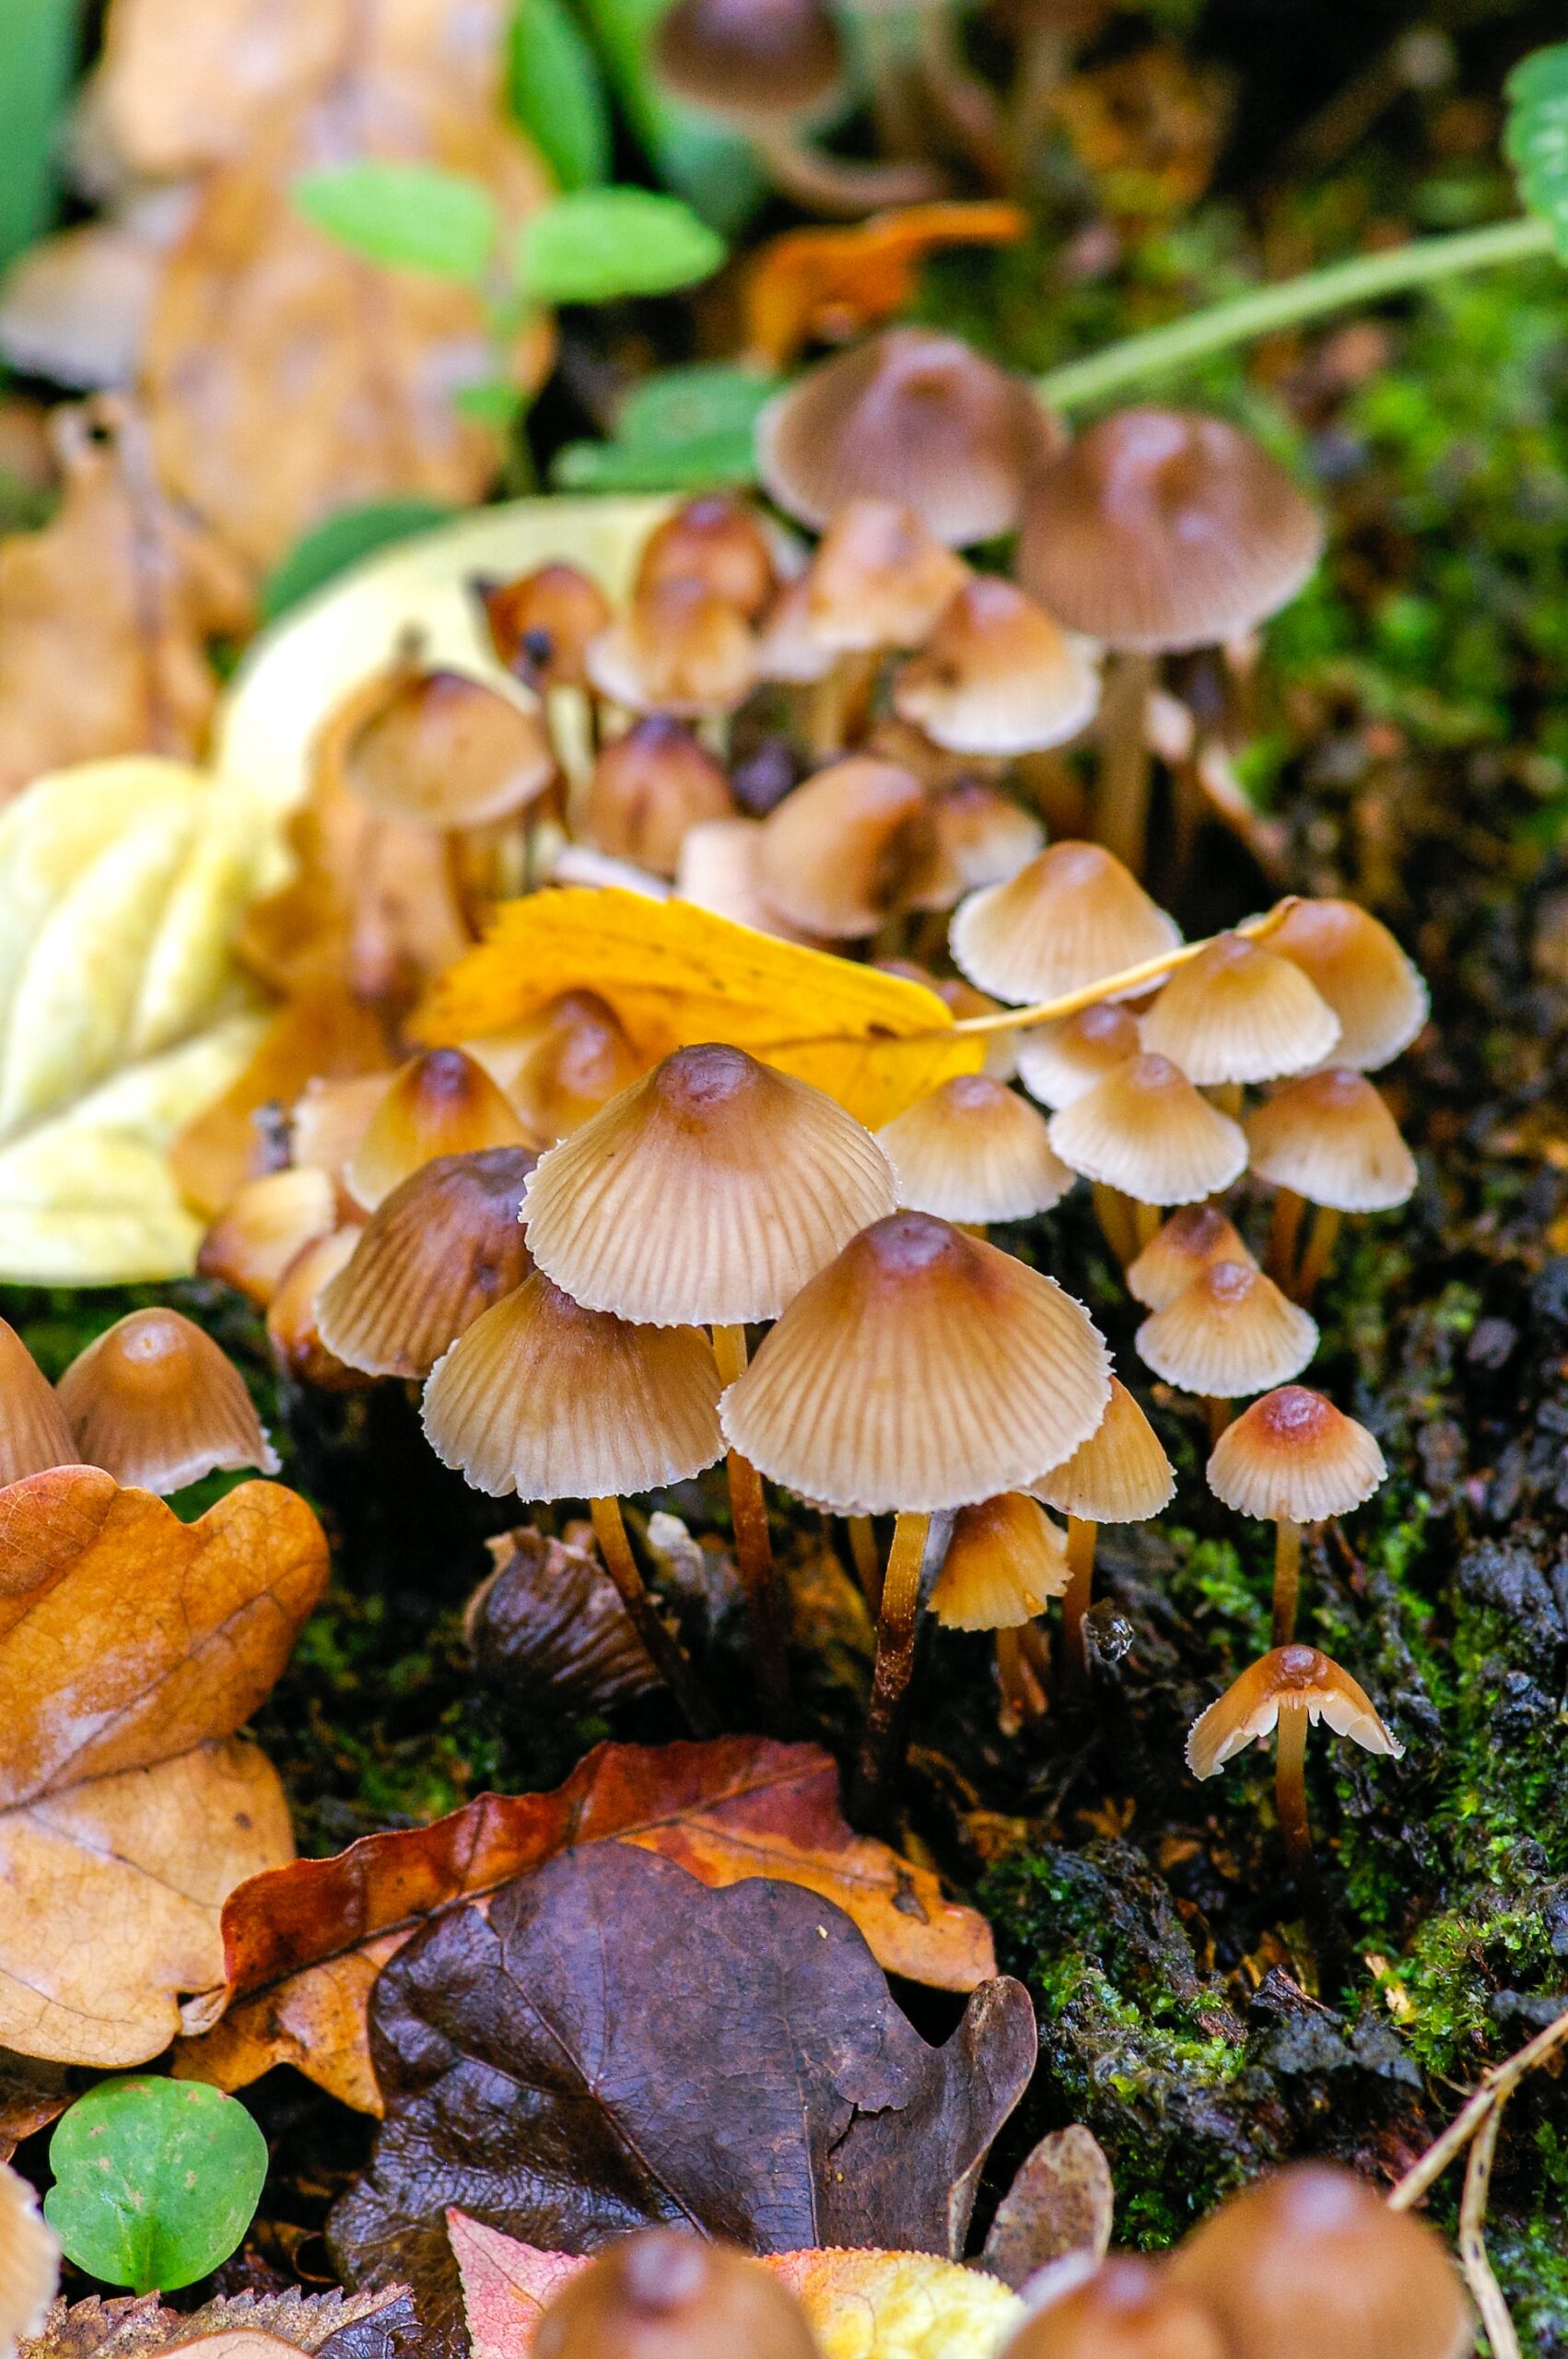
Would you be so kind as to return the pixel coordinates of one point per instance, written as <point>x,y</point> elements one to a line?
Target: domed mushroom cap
<point>788,646</point>
<point>985,836</point>
<point>921,1370</point>
<point>541,624</point>
<point>1129,2308</point>
<point>1185,1246</point>
<point>716,540</point>
<point>998,675</point>
<point>156,1403</point>
<point>680,650</point>
<point>1356,965</point>
<point>554,1401</point>
<point>1312,2264</point>
<point>1286,1679</point>
<point>435,1253</point>
<point>756,61</point>
<point>1331,1138</point>
<point>1004,1559</point>
<point>35,1432</point>
<point>911,416</point>
<point>850,848</point>
<point>445,751</point>
<point>1160,530</point>
<point>878,580</point>
<point>1229,1333</point>
<point>1237,1013</point>
<point>570,1057</point>
<point>975,1151</point>
<point>442,1103</point>
<point>1072,915</point>
<point>264,1223</point>
<point>1147,1131</point>
<point>1119,1476</point>
<point>649,786</point>
<point>1294,1457</point>
<point>666,2295</point>
<point>1057,1063</point>
<point>709,1192</point>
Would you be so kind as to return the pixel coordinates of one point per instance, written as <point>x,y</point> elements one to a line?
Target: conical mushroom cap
<point>679,650</point>
<point>445,751</point>
<point>853,846</point>
<point>554,1401</point>
<point>975,1151</point>
<point>921,1370</point>
<point>1004,1559</point>
<point>29,2257</point>
<point>1356,965</point>
<point>665,2294</point>
<point>788,646</point>
<point>329,1119</point>
<point>714,539</point>
<point>1072,915</point>
<point>1161,530</point>
<point>569,1058</point>
<point>649,786</point>
<point>541,623</point>
<point>1331,1138</point>
<point>35,1432</point>
<point>1057,1063</point>
<point>1294,1457</point>
<point>435,1253</point>
<point>1228,1334</point>
<point>264,1223</point>
<point>879,579</point>
<point>985,836</point>
<point>1126,2308</point>
<point>1119,1476</point>
<point>998,675</point>
<point>707,1193</point>
<point>1147,1131</point>
<point>1293,1676</point>
<point>1237,1013</point>
<point>1183,1248</point>
<point>156,1403</point>
<point>754,62</point>
<point>442,1103</point>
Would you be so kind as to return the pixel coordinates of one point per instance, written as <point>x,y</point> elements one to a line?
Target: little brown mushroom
<point>440,1103</point>
<point>1120,1475</point>
<point>435,1253</point>
<point>666,2293</point>
<point>1288,1689</point>
<point>1296,1459</point>
<point>1227,1334</point>
<point>1326,1140</point>
<point>35,1432</point>
<point>156,1403</point>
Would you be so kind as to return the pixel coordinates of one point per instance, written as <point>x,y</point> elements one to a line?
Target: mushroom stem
<point>831,184</point>
<point>1282,1234</point>
<point>1322,1238</point>
<point>1218,1416</point>
<point>1121,795</point>
<point>754,1551</point>
<point>1227,1097</point>
<point>1081,1536</point>
<point>894,1659</point>
<point>1114,1213</point>
<point>868,1563</point>
<point>1022,1695</point>
<point>1287,1579</point>
<point>1042,70</point>
<point>668,1657</point>
<point>838,703</point>
<point>966,102</point>
<point>1290,1788</point>
<point>1146,1219</point>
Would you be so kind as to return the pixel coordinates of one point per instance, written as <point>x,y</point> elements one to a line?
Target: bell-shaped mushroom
<point>442,1103</point>
<point>679,649</point>
<point>1326,1140</point>
<point>1073,914</point>
<point>665,2294</point>
<point>650,786</point>
<point>975,1152</point>
<point>1355,964</point>
<point>1228,1334</point>
<point>439,1250</point>
<point>1294,1458</point>
<point>1195,1236</point>
<point>156,1403</point>
<point>1126,2308</point>
<point>1057,1063</point>
<point>997,675</point>
<point>1237,1013</point>
<point>35,1432</point>
<point>1148,1135</point>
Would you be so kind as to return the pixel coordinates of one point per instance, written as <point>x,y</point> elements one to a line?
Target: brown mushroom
<point>541,624</point>
<point>1073,914</point>
<point>1186,1245</point>
<point>1004,1559</point>
<point>719,541</point>
<point>569,1058</point>
<point>440,1249</point>
<point>1356,965</point>
<point>679,649</point>
<point>156,1403</point>
<point>1237,1014</point>
<point>296,1346</point>
<point>650,786</point>
<point>440,1103</point>
<point>264,1223</point>
<point>998,675</point>
<point>1288,1689</point>
<point>35,1432</point>
<point>854,846</point>
<point>1296,1459</point>
<point>1120,1475</point>
<point>1326,1140</point>
<point>665,2294</point>
<point>1146,1133</point>
<point>975,1152</point>
<point>1228,1334</point>
<point>879,580</point>
<point>1057,1063</point>
<point>1126,2308</point>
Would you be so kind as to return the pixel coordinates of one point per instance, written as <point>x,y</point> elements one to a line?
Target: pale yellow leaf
<point>191,958</point>
<point>899,2304</point>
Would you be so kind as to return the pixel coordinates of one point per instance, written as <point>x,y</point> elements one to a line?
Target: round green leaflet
<point>155,2181</point>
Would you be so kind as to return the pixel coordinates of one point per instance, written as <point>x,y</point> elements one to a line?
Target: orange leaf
<point>811,284</point>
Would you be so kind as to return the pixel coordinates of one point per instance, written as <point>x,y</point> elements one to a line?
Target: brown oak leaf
<point>376,2325</point>
<point>548,1627</point>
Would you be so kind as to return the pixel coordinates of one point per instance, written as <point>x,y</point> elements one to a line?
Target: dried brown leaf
<point>1060,2202</point>
<point>376,2325</point>
<point>548,1628</point>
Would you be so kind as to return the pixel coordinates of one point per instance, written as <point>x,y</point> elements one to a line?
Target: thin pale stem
<point>1474,2258</point>
<point>1287,1579</point>
<point>868,1561</point>
<point>1284,1231</point>
<point>1322,1238</point>
<point>1023,1695</point>
<point>836,186</point>
<point>1146,1220</point>
<point>668,1657</point>
<point>1227,1095</point>
<point>895,1661</point>
<point>1114,1213</point>
<point>1077,1598</point>
<point>1121,791</point>
<point>1290,1789</point>
<point>754,1550</point>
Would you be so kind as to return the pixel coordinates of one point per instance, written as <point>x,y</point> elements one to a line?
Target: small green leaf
<point>681,405</point>
<point>155,2181</point>
<point>323,552</point>
<point>605,242</point>
<point>1536,138</point>
<point>38,57</point>
<point>557,93</point>
<point>495,402</point>
<point>410,215</point>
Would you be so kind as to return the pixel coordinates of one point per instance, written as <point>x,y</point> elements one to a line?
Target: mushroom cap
<point>292,1331</point>
<point>649,786</point>
<point>975,1151</point>
<point>1229,1333</point>
<point>1184,1245</point>
<point>679,650</point>
<point>709,1192</point>
<point>664,2294</point>
<point>1161,530</point>
<point>439,1250</point>
<point>442,1102</point>
<point>1294,1458</point>
<point>788,646</point>
<point>554,1401</point>
<point>1057,1063</point>
<point>263,1225</point>
<point>878,580</point>
<point>569,1058</point>
<point>913,415</point>
<point>156,1403</point>
<point>756,61</point>
<point>1146,1131</point>
<point>541,624</point>
<point>1356,965</point>
<point>35,1432</point>
<point>1072,915</point>
<point>1119,1476</point>
<point>714,539</point>
<point>1312,2264</point>
<point>921,1369</point>
<point>329,1119</point>
<point>718,871</point>
<point>1128,2308</point>
<point>850,848</point>
<point>1237,1013</point>
<point>985,836</point>
<point>445,751</point>
<point>998,675</point>
<point>1004,1559</point>
<point>1288,1678</point>
<point>964,1001</point>
<point>1330,1137</point>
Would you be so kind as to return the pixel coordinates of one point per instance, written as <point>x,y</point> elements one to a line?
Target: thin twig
<point>1474,2258</point>
<point>1497,2086</point>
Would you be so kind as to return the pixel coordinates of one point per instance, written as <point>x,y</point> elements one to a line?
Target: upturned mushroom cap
<point>1057,1063</point>
<point>1147,1131</point>
<point>445,751</point>
<point>921,1370</point>
<point>571,1057</point>
<point>911,416</point>
<point>853,846</point>
<point>554,1401</point>
<point>435,1253</point>
<point>1228,1334</point>
<point>998,675</point>
<point>678,648</point>
<point>1287,1678</point>
<point>709,1192</point>
<point>1356,965</point>
<point>541,624</point>
<point>1072,915</point>
<point>156,1403</point>
<point>1294,1457</point>
<point>1312,2264</point>
<point>1129,2308</point>
<point>759,63</point>
<point>716,540</point>
<point>975,1151</point>
<point>1331,1138</point>
<point>1119,1476</point>
<point>1160,530</point>
<point>1237,1013</point>
<point>666,2295</point>
<point>442,1103</point>
<point>649,786</point>
<point>35,1432</point>
<point>985,836</point>
<point>878,580</point>
<point>262,1226</point>
<point>1184,1247</point>
<point>1004,1559</point>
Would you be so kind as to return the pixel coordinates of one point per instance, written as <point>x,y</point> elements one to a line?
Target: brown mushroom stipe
<point>1119,1476</point>
<point>435,1253</point>
<point>35,1432</point>
<point>1147,1132</point>
<point>566,1062</point>
<point>296,1346</point>
<point>1186,1245</point>
<point>1073,914</point>
<point>156,1403</point>
<point>445,751</point>
<point>911,416</point>
<point>678,650</point>
<point>442,1103</point>
<point>1327,1140</point>
<point>1239,1014</point>
<point>853,846</point>
<point>1057,1063</point>
<point>1296,1459</point>
<point>506,1405</point>
<point>1128,2308</point>
<point>264,1223</point>
<point>1229,1333</point>
<point>998,675</point>
<point>649,787</point>
<point>667,2294</point>
<point>1288,1688</point>
<point>541,625</point>
<point>1356,965</point>
<point>974,1152</point>
<point>1311,2263</point>
<point>1004,1559</point>
<point>716,540</point>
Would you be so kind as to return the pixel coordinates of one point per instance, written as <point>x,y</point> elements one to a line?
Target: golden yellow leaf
<point>899,2304</point>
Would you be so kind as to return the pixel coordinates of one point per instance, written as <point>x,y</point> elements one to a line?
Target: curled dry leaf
<point>303,1945</point>
<point>548,1627</point>
<point>1061,2201</point>
<point>33,2092</point>
<point>131,1647</point>
<point>378,2325</point>
<point>614,2045</point>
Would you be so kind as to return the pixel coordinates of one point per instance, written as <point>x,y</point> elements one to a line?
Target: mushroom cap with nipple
<point>156,1403</point>
<point>1236,1013</point>
<point>440,1103</point>
<point>664,2294</point>
<point>1330,1138</point>
<point>679,649</point>
<point>1287,1678</point>
<point>998,675</point>
<point>716,540</point>
<point>1356,965</point>
<point>1119,1476</point>
<point>879,579</point>
<point>1073,914</point>
<point>1057,1063</point>
<point>435,1253</point>
<point>1126,2308</point>
<point>856,844</point>
<point>567,1059</point>
<point>649,785</point>
<point>35,1432</point>
<point>975,1151</point>
<point>1229,1333</point>
<point>1146,1131</point>
<point>1183,1246</point>
<point>445,751</point>
<point>541,624</point>
<point>1294,1457</point>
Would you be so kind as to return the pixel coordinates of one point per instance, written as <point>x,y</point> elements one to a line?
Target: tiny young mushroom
<point>1126,2308</point>
<point>35,1432</point>
<point>1149,1138</point>
<point>1287,1688</point>
<point>1238,1014</point>
<point>1057,1063</point>
<point>1003,1560</point>
<point>716,540</point>
<point>851,850</point>
<point>998,675</point>
<point>975,1152</point>
<point>440,1103</point>
<point>1120,1475</point>
<point>666,2293</point>
<point>1073,914</point>
<point>156,1403</point>
<point>678,648</point>
<point>1326,1140</point>
<point>264,1223</point>
<point>985,836</point>
<point>568,1059</point>
<point>1355,964</point>
<point>541,624</point>
<point>879,581</point>
<point>1295,1459</point>
<point>1185,1246</point>
<point>1230,1332</point>
<point>649,787</point>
